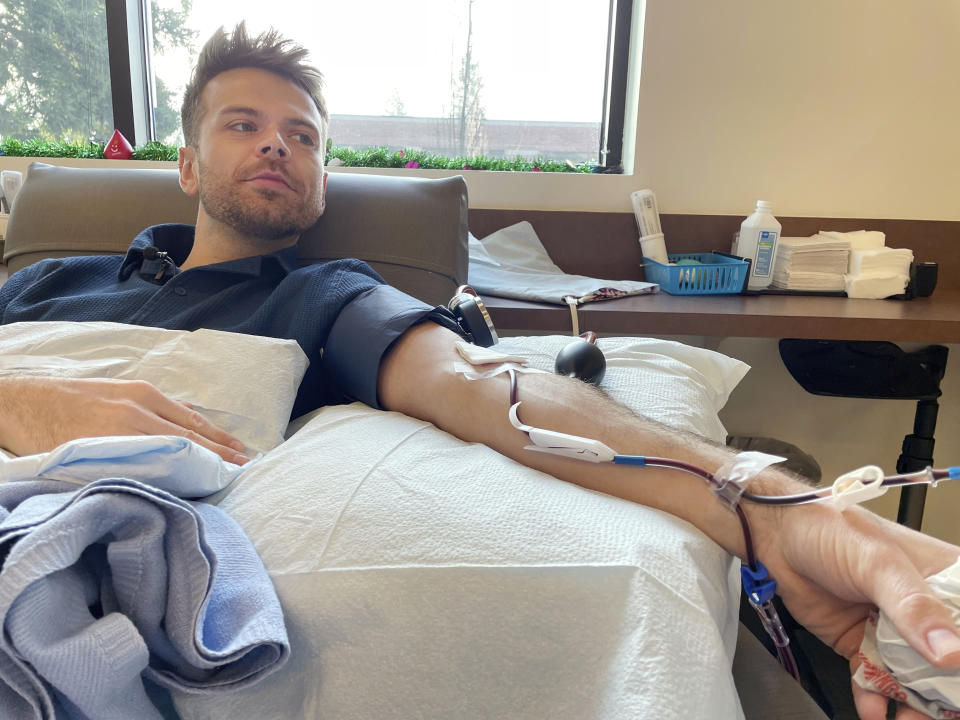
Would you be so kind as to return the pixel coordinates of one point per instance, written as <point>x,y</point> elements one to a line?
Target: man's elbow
<point>417,372</point>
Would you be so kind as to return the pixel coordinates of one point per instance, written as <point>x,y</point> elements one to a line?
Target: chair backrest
<point>413,231</point>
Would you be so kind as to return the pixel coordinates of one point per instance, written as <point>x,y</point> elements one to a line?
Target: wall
<point>828,110</point>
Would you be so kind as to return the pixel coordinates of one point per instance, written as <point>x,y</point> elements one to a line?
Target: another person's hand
<point>39,413</point>
<point>833,568</point>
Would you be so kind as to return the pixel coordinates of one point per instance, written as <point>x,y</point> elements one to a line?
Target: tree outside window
<point>55,71</point>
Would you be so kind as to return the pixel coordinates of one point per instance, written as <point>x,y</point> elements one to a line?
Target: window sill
<point>488,189</point>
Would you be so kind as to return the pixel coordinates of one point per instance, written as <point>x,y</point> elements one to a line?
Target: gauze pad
<point>891,667</point>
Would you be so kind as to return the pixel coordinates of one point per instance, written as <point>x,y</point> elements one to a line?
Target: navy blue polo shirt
<point>340,312</point>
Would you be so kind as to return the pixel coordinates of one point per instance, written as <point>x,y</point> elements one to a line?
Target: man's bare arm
<point>417,378</point>
<point>39,413</point>
<point>831,567</point>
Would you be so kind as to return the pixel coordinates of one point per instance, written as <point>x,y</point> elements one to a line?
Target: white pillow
<point>245,384</point>
<point>679,385</point>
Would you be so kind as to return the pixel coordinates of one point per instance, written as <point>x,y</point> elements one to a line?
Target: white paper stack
<point>874,271</point>
<point>858,239</point>
<point>888,261</point>
<point>815,263</point>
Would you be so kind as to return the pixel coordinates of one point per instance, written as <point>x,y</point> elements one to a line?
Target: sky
<point>538,59</point>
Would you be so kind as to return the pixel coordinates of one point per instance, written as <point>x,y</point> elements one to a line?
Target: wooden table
<point>934,319</point>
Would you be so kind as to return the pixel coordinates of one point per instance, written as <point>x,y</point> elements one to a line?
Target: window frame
<point>129,43</point>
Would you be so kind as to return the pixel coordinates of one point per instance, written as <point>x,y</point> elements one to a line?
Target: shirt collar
<point>177,240</point>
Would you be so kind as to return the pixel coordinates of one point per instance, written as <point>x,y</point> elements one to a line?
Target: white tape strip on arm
<point>738,471</point>
<point>485,363</point>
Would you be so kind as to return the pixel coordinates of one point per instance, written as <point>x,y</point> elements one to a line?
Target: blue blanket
<point>108,581</point>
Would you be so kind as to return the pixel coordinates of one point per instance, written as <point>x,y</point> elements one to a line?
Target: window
<point>499,78</point>
<point>54,70</point>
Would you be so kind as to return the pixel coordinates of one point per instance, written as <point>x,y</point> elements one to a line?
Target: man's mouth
<point>271,181</point>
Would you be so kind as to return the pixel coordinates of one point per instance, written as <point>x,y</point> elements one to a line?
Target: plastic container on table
<point>757,240</point>
<point>717,274</point>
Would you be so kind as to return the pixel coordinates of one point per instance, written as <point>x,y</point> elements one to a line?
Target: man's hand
<point>39,413</point>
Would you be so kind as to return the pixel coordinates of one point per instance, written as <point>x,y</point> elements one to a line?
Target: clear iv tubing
<point>766,611</point>
<point>926,476</point>
<point>769,617</point>
<point>764,607</point>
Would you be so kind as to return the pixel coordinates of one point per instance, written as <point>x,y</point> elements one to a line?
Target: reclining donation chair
<point>412,231</point>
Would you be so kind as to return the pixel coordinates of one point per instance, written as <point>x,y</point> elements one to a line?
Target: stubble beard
<point>270,216</point>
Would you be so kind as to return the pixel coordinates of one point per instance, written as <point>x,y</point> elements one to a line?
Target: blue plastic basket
<point>717,275</point>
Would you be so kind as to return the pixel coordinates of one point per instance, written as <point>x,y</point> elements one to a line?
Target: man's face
<point>258,164</point>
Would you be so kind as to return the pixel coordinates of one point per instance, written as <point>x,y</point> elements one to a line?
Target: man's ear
<point>187,162</point>
<point>323,193</point>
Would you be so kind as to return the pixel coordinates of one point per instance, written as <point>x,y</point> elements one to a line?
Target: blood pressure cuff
<point>362,333</point>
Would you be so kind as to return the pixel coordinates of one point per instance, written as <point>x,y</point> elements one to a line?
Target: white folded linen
<point>891,261</point>
<point>878,273</point>
<point>814,263</point>
<point>808,281</point>
<point>858,239</point>
<point>873,286</point>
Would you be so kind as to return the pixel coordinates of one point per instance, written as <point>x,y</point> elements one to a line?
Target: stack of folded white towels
<point>857,262</point>
<point>875,271</point>
<point>811,263</point>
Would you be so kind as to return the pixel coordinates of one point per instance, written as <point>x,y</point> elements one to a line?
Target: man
<point>254,123</point>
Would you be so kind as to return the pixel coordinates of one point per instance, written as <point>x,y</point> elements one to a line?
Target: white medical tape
<point>473,373</point>
<point>738,471</point>
<point>477,355</point>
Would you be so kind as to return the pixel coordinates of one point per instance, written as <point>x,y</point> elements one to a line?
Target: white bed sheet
<point>424,577</point>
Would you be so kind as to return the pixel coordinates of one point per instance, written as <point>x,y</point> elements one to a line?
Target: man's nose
<point>274,147</point>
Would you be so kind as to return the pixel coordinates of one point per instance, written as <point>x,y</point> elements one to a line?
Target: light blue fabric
<point>118,580</point>
<point>167,462</point>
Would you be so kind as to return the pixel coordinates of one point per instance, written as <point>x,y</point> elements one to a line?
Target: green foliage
<point>50,148</point>
<point>385,158</point>
<point>55,72</point>
<point>374,157</point>
<point>154,151</point>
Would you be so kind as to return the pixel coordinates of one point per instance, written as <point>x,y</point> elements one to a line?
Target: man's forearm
<point>477,411</point>
<point>14,404</point>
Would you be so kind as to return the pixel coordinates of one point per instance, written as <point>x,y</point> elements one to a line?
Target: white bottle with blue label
<point>758,238</point>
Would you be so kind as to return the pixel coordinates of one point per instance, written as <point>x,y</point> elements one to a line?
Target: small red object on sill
<point>118,147</point>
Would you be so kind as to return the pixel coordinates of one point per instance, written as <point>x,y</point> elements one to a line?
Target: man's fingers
<point>184,415</point>
<point>905,712</point>
<point>165,427</point>
<point>160,415</point>
<point>873,706</point>
<point>870,705</point>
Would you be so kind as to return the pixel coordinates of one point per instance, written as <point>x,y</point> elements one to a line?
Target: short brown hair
<point>268,51</point>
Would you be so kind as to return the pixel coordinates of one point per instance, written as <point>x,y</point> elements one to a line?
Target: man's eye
<point>306,139</point>
<point>242,126</point>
